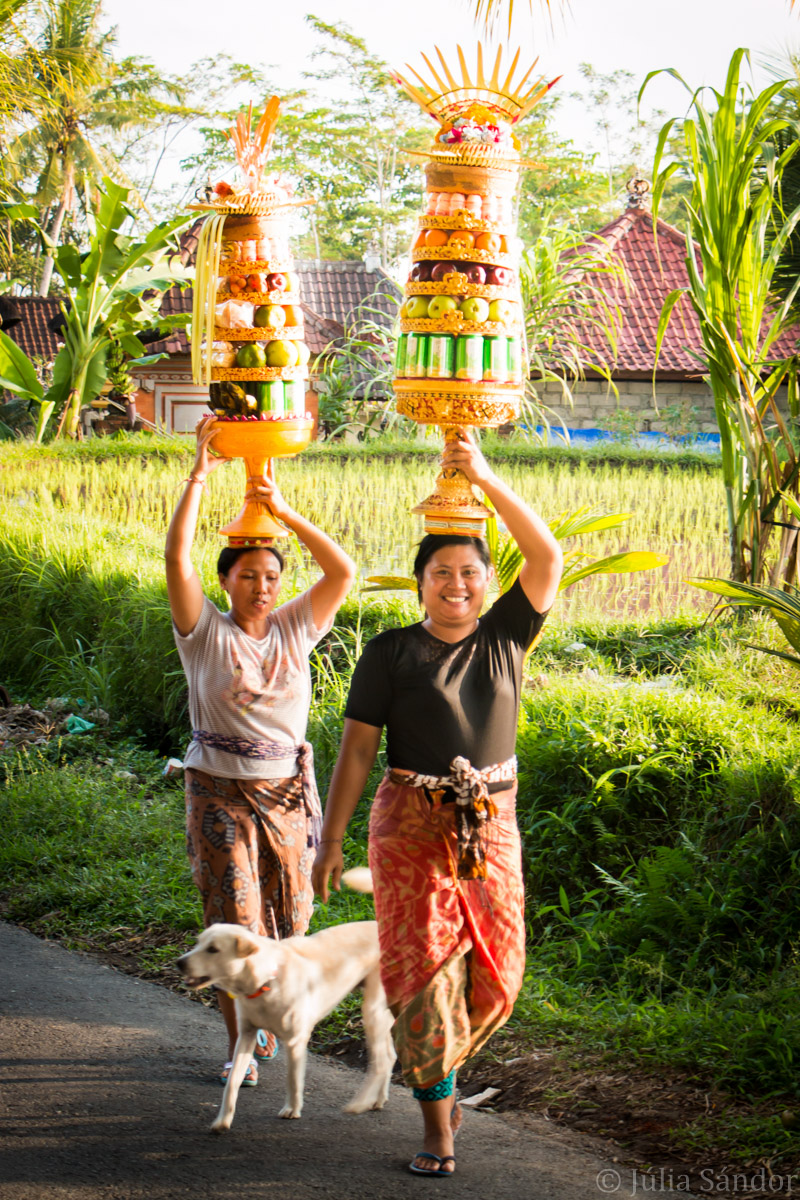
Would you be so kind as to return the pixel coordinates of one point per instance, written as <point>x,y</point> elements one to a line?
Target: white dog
<point>286,988</point>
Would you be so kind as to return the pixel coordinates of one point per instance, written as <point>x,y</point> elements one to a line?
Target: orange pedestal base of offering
<point>258,442</point>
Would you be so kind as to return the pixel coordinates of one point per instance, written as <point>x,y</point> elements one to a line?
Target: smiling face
<point>253,583</point>
<point>453,587</point>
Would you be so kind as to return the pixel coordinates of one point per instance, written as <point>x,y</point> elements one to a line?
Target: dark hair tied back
<point>231,554</point>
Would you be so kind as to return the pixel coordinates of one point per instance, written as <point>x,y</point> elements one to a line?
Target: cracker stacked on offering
<point>248,345</point>
<point>461,357</point>
<point>247,341</point>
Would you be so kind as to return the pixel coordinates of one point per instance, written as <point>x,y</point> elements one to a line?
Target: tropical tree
<point>112,293</point>
<point>71,99</point>
<point>732,251</point>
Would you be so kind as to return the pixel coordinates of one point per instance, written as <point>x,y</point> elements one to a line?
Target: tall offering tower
<point>461,357</point>
<point>248,344</point>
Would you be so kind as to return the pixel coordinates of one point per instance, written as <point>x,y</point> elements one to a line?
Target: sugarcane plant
<point>732,252</point>
<point>112,293</point>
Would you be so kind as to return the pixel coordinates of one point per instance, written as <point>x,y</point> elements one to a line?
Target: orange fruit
<point>488,241</point>
<point>503,244</point>
<point>435,237</point>
<point>461,237</point>
<point>294,314</point>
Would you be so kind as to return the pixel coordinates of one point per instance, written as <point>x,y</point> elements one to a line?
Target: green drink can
<point>271,399</point>
<point>469,358</point>
<point>294,398</point>
<point>441,357</point>
<point>495,359</point>
<point>514,360</point>
<point>400,356</point>
<point>416,365</point>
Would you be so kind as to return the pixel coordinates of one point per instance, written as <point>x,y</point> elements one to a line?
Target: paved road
<point>105,1094</point>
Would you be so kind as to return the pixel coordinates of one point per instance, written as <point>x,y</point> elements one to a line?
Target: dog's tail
<point>359,879</point>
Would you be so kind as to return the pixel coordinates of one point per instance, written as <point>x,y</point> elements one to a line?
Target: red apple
<point>474,272</point>
<point>499,276</point>
<point>440,269</point>
<point>277,282</point>
<point>421,272</point>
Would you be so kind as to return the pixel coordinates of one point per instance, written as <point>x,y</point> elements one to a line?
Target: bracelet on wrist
<point>194,479</point>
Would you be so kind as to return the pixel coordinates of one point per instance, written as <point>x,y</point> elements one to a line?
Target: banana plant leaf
<point>783,607</point>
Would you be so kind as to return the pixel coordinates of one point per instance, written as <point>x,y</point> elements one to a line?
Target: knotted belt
<point>273,752</point>
<point>474,805</point>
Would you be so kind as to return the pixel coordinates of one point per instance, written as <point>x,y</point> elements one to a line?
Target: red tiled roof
<point>654,270</point>
<point>33,333</point>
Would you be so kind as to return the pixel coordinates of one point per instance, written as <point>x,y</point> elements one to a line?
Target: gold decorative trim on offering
<point>261,266</point>
<point>454,323</point>
<point>463,219</point>
<point>458,253</point>
<point>259,373</point>
<point>259,298</point>
<point>483,412</point>
<point>286,333</point>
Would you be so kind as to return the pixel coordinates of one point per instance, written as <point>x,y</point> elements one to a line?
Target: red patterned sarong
<point>452,950</point>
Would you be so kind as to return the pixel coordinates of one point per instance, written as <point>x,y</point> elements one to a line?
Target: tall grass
<point>366,505</point>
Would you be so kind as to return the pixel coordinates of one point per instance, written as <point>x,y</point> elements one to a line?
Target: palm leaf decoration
<point>488,12</point>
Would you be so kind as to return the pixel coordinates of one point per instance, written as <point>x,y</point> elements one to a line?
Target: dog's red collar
<point>260,992</point>
<point>253,995</point>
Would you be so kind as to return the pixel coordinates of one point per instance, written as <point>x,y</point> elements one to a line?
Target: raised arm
<point>544,562</point>
<point>338,568</point>
<point>357,756</point>
<point>183,585</point>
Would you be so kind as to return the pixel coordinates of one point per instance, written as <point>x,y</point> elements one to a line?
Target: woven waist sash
<point>273,752</point>
<point>474,805</point>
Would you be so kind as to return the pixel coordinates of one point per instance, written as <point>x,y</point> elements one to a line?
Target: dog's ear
<point>244,946</point>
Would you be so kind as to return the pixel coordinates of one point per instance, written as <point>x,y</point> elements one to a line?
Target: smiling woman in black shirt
<point>443,841</point>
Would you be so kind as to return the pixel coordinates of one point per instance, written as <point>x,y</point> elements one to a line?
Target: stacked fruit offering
<point>461,352</point>
<point>259,359</point>
<point>247,324</point>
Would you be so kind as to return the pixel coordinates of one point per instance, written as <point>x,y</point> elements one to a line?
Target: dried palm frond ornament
<point>461,357</point>
<point>247,333</point>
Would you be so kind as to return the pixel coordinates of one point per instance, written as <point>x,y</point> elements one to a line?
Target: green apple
<point>503,311</point>
<point>282,354</point>
<point>269,316</point>
<point>474,308</point>
<point>303,352</point>
<point>440,305</point>
<point>417,307</point>
<point>251,354</point>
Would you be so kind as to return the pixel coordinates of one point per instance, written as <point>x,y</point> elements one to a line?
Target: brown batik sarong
<point>247,841</point>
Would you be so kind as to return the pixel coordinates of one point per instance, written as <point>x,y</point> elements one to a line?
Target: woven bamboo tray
<point>457,284</point>
<point>261,204</point>
<point>259,267</point>
<point>459,154</point>
<point>259,298</point>
<point>462,219</point>
<point>451,324</point>
<point>463,254</point>
<point>259,373</point>
<point>291,333</point>
<point>452,408</point>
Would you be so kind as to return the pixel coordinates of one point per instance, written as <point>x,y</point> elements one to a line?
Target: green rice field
<point>121,506</point>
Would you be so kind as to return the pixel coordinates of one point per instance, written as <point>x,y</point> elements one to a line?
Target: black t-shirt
<point>441,699</point>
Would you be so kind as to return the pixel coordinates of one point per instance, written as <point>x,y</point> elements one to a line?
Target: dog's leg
<point>378,1021</point>
<point>245,1045</point>
<point>296,1051</point>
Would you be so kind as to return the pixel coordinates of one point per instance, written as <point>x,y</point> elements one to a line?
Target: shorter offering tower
<point>248,343</point>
